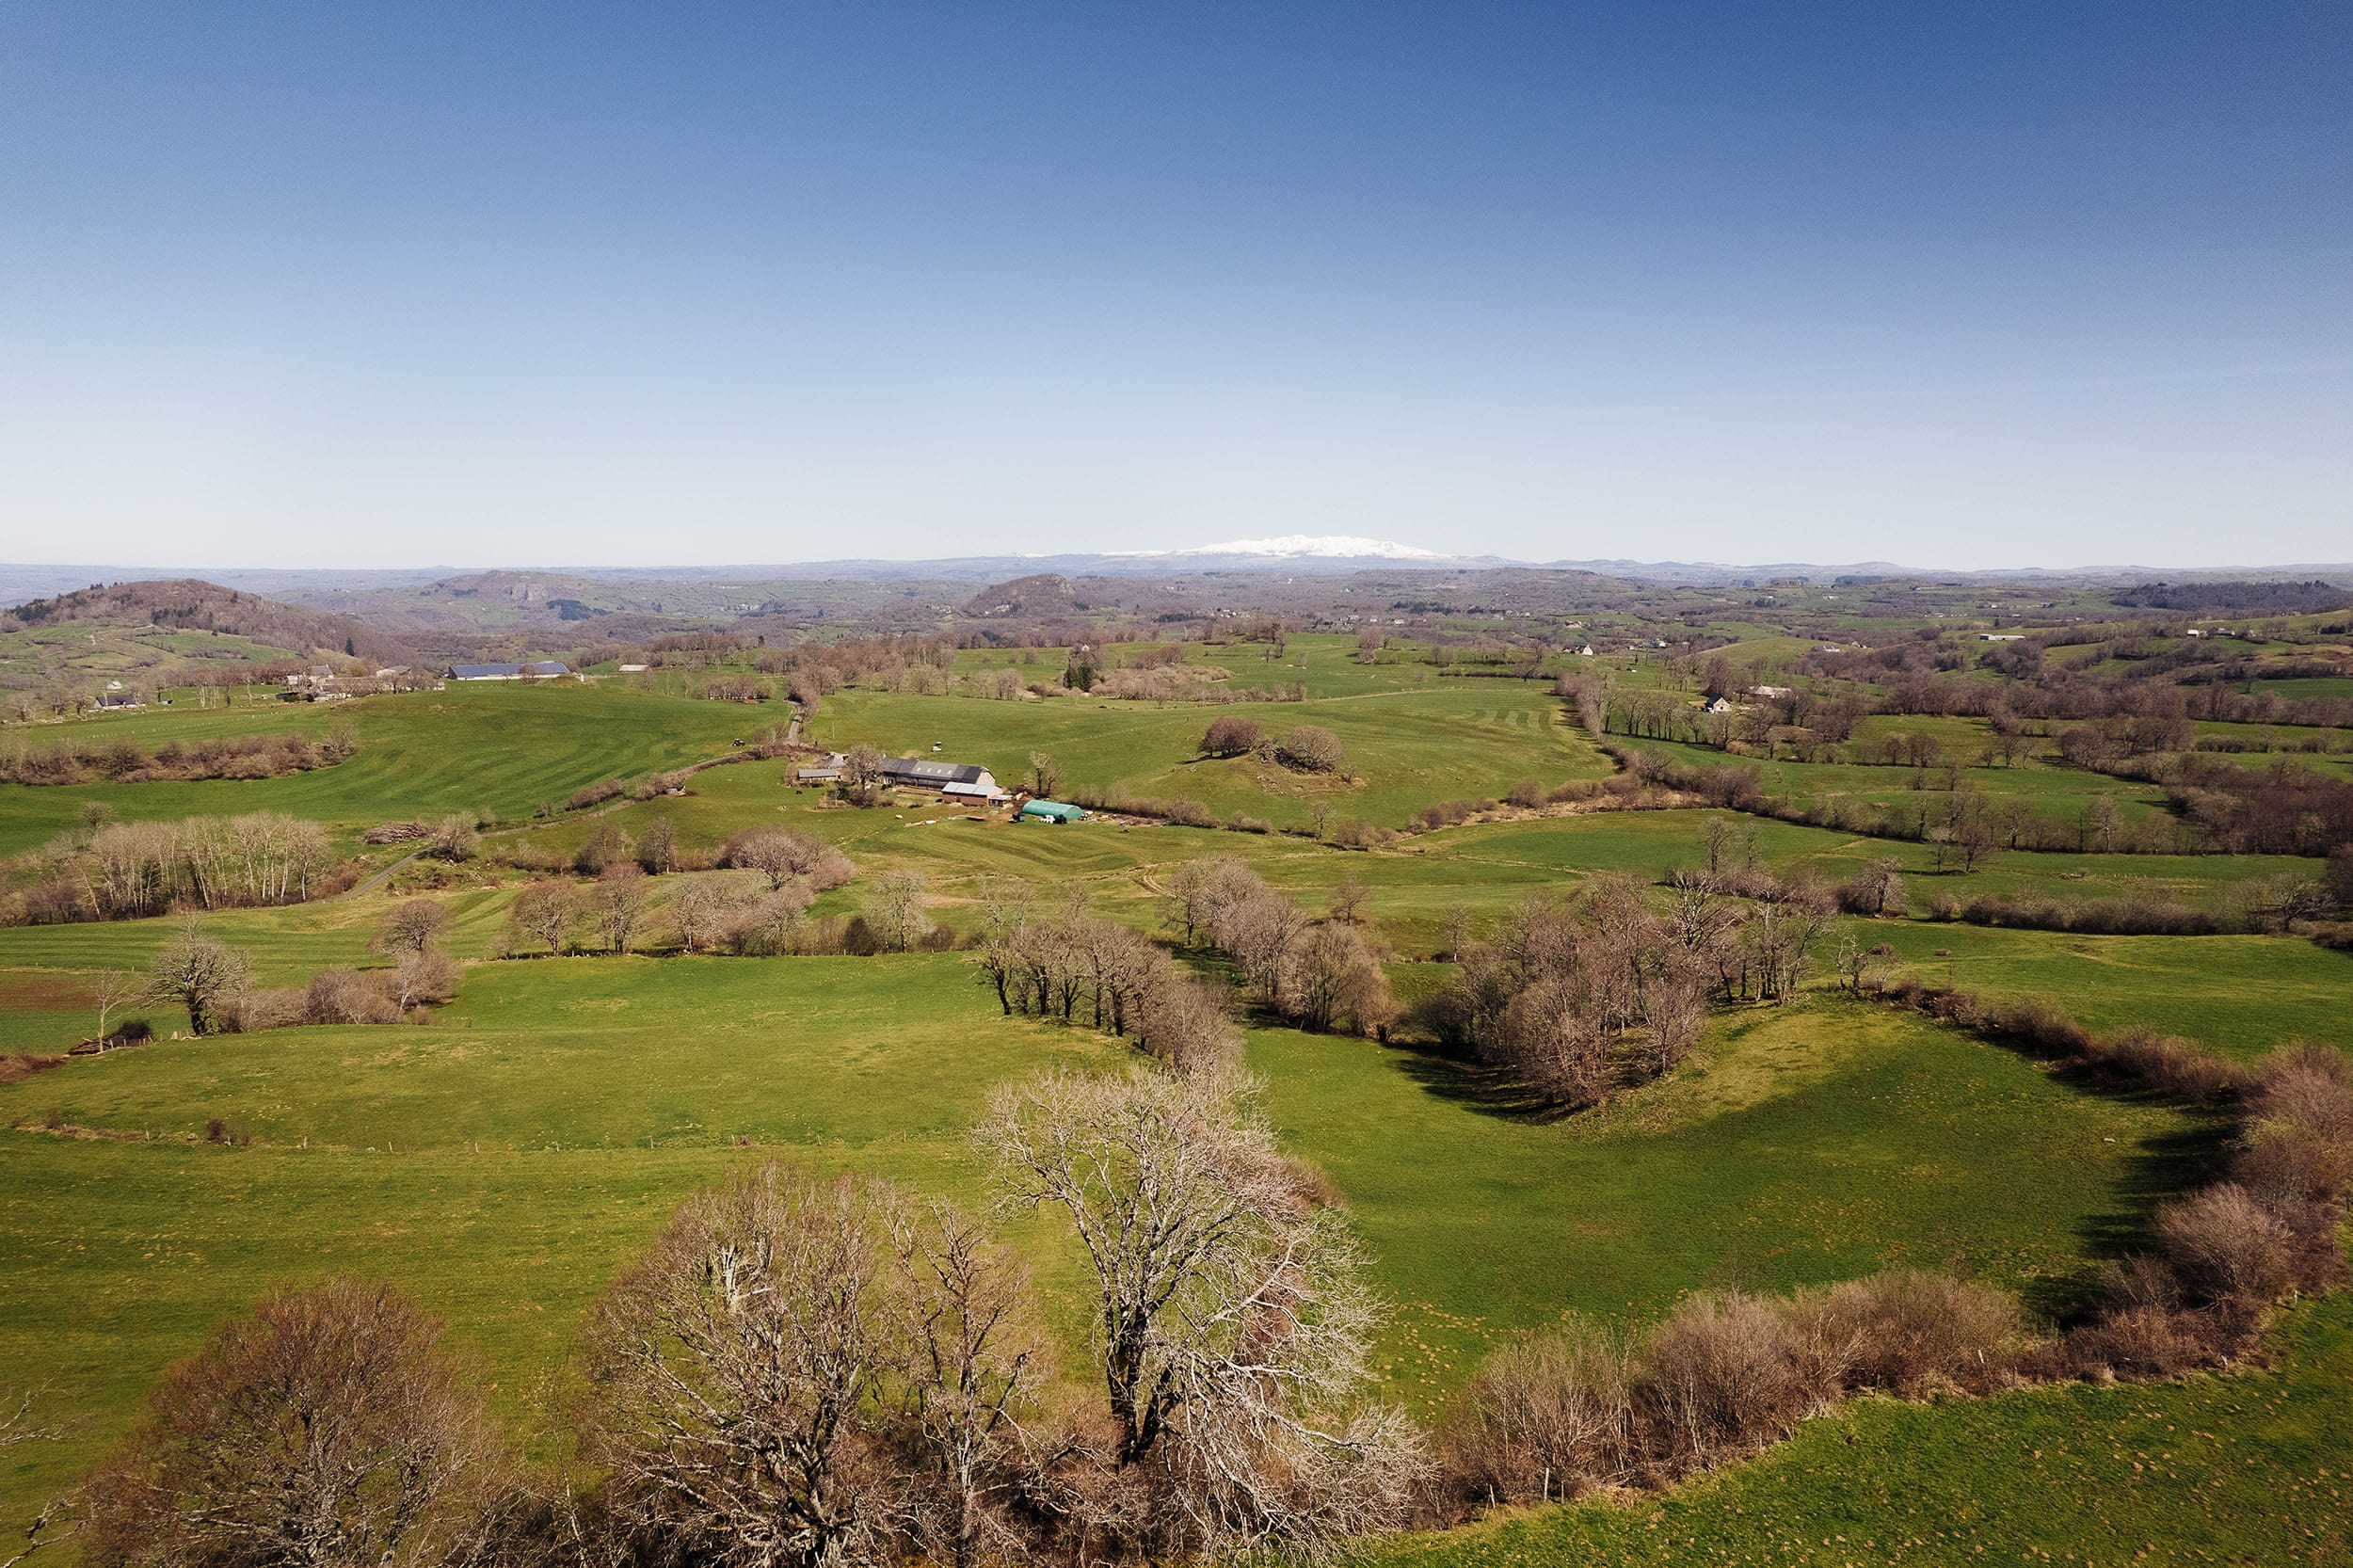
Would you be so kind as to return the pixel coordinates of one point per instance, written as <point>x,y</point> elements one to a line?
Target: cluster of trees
<point>121,759</point>
<point>1060,963</point>
<point>710,913</point>
<point>211,982</point>
<point>1321,974</point>
<point>107,870</point>
<point>418,975</point>
<point>1572,999</point>
<point>804,1370</point>
<point>1308,747</point>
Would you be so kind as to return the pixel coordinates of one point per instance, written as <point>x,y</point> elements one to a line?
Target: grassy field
<point>494,747</point>
<point>505,1161</point>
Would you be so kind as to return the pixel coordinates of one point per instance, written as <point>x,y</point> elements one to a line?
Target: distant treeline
<point>120,759</point>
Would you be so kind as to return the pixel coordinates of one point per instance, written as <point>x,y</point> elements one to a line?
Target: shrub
<point>340,995</point>
<point>1913,1332</point>
<point>1231,735</point>
<point>2224,1247</point>
<point>1311,749</point>
<point>1726,1375</point>
<point>1551,1417</point>
<point>594,795</point>
<point>219,1129</point>
<point>251,1012</point>
<point>1528,792</point>
<point>1357,833</point>
<point>1190,813</point>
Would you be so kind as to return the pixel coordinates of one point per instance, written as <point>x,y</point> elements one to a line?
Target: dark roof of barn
<point>920,770</point>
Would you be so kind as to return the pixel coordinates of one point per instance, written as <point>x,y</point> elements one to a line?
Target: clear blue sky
<point>485,283</point>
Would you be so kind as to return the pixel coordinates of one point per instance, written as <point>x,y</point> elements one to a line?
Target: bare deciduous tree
<point>699,911</point>
<point>110,993</point>
<point>411,926</point>
<point>545,912</point>
<point>894,907</point>
<point>619,903</point>
<point>736,1367</point>
<point>196,973</point>
<point>813,1371</point>
<point>1231,1324</point>
<point>326,1426</point>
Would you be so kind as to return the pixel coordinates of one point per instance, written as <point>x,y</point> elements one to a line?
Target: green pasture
<point>505,1161</point>
<point>2299,687</point>
<point>498,747</point>
<point>2250,1467</point>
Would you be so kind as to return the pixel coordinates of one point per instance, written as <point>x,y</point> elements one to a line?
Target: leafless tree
<point>1313,749</point>
<point>411,926</point>
<point>699,910</point>
<point>784,855</point>
<point>656,847</point>
<point>1346,902</point>
<point>770,925</point>
<point>112,991</point>
<point>545,912</point>
<point>973,1359</point>
<point>619,903</point>
<point>1192,890</point>
<point>1045,775</point>
<point>1333,981</point>
<point>1455,930</point>
<point>326,1426</point>
<point>861,766</point>
<point>894,906</point>
<point>196,973</point>
<point>1231,1322</point>
<point>454,838</point>
<point>816,1371</point>
<point>737,1368</point>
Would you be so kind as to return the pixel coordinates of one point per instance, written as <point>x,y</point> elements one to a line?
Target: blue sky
<point>484,283</point>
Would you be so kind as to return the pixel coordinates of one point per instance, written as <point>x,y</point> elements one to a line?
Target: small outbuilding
<point>1050,811</point>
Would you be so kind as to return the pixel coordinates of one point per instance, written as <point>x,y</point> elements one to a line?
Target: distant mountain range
<point>1295,553</point>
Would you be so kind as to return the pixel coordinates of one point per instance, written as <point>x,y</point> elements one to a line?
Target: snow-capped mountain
<point>1318,546</point>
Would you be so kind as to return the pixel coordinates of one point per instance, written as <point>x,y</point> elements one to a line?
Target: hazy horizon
<point>373,287</point>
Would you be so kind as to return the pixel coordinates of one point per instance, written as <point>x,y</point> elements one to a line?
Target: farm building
<point>1050,811</point>
<point>509,672</point>
<point>964,780</point>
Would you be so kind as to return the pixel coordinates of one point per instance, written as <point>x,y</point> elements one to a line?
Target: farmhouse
<point>114,701</point>
<point>509,672</point>
<point>1721,704</point>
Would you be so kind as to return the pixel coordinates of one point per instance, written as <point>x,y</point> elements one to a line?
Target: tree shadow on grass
<point>1489,1091</point>
<point>2163,1168</point>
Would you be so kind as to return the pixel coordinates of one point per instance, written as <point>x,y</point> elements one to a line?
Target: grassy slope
<point>504,1161</point>
<point>501,748</point>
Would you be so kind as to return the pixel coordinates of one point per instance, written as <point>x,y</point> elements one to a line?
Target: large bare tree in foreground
<point>326,1426</point>
<point>810,1372</point>
<point>1231,1324</point>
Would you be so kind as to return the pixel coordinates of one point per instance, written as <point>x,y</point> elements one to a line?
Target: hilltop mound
<point>1037,596</point>
<point>150,630</point>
